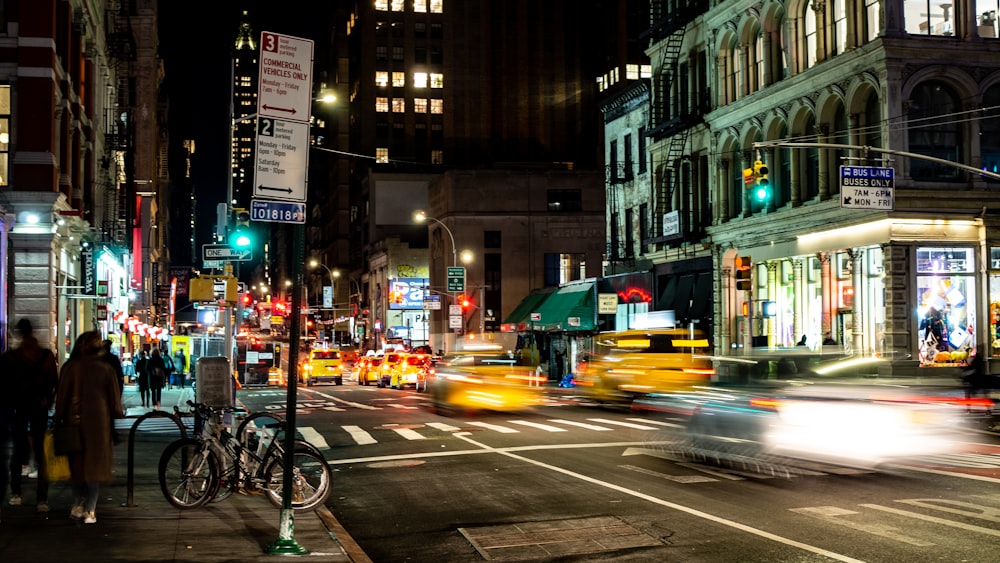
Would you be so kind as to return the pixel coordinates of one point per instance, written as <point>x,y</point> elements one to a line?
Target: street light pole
<point>420,217</point>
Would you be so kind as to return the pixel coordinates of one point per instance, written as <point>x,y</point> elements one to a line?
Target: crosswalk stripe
<point>443,427</point>
<point>657,422</point>
<point>494,427</point>
<point>545,427</point>
<point>309,434</point>
<point>399,406</point>
<point>620,423</point>
<point>408,433</point>
<point>360,436</point>
<point>581,424</point>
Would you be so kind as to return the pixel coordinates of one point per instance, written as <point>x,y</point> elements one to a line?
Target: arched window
<point>839,17</point>
<point>758,61</point>
<point>809,177</point>
<point>989,132</point>
<point>934,130</point>
<point>809,25</point>
<point>929,17</point>
<point>870,122</point>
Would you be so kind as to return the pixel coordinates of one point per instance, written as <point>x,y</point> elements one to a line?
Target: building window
<point>643,227</point>
<point>381,53</point>
<point>925,17</point>
<point>872,23</point>
<point>420,105</point>
<point>419,79</point>
<point>437,6</point>
<point>613,161</point>
<point>381,78</point>
<point>564,268</point>
<point>934,132</point>
<point>564,200</point>
<point>642,150</point>
<point>397,53</point>
<point>398,105</point>
<point>492,239</point>
<point>839,26</point>
<point>420,29</point>
<point>396,6</point>
<point>631,72</point>
<point>437,156</point>
<point>810,24</point>
<point>627,157</point>
<point>382,155</point>
<point>436,56</point>
<point>399,79</point>
<point>437,106</point>
<point>629,234</point>
<point>382,5</point>
<point>614,252</point>
<point>437,80</point>
<point>381,104</point>
<point>4,135</point>
<point>420,6</point>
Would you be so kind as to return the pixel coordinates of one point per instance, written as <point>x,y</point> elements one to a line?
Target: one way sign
<point>225,252</point>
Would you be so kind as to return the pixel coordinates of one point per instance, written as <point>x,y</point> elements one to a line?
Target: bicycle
<point>210,467</point>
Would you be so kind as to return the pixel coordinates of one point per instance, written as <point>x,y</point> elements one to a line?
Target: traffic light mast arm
<point>795,144</point>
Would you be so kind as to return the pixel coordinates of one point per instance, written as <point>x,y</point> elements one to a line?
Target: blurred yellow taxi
<point>369,371</point>
<point>629,364</point>
<point>389,362</point>
<point>485,379</point>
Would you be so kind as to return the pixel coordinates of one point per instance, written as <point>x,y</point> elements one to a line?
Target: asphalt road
<point>576,482</point>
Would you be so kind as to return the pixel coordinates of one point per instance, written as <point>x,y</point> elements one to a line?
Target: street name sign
<point>284,86</point>
<point>867,187</point>
<point>225,252</point>
<point>282,159</point>
<point>277,211</point>
<point>456,279</point>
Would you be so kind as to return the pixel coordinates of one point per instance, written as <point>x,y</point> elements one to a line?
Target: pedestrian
<point>34,374</point>
<point>802,341</point>
<point>180,366</point>
<point>157,374</point>
<point>142,377</point>
<point>828,340</point>
<point>112,360</point>
<point>88,397</point>
<point>169,374</point>
<point>6,427</point>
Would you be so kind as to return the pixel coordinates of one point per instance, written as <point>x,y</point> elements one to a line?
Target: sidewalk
<point>238,529</point>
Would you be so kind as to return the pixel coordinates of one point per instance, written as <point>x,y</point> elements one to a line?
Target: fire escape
<point>119,159</point>
<point>670,117</point>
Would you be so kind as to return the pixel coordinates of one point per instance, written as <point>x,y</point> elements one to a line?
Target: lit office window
<point>631,72</point>
<point>382,155</point>
<point>397,5</point>
<point>382,5</point>
<point>437,157</point>
<point>382,104</point>
<point>419,79</point>
<point>437,80</point>
<point>398,105</point>
<point>437,106</point>
<point>420,6</point>
<point>420,105</point>
<point>399,79</point>
<point>381,78</point>
<point>437,6</point>
<point>646,71</point>
<point>4,135</point>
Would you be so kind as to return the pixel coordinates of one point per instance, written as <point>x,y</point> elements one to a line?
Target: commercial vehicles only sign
<point>284,89</point>
<point>867,187</point>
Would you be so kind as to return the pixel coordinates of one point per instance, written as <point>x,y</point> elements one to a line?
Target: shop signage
<point>607,303</point>
<point>89,268</point>
<point>867,187</point>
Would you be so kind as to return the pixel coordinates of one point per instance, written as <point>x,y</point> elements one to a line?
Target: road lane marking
<point>934,519</point>
<point>348,403</point>
<point>309,434</point>
<point>443,427</point>
<point>625,424</point>
<point>408,433</point>
<point>479,451</point>
<point>833,515</point>
<point>360,436</point>
<point>581,424</point>
<point>674,478</point>
<point>399,406</point>
<point>540,426</point>
<point>494,427</point>
<point>679,507</point>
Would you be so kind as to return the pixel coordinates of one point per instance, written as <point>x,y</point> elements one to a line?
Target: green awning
<point>571,308</point>
<point>521,316</point>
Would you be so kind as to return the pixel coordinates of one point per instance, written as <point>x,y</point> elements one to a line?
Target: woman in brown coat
<point>88,396</point>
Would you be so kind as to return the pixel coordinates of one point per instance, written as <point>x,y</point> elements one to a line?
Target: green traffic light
<point>241,240</point>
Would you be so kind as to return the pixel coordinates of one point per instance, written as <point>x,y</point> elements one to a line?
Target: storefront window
<point>946,305</point>
<point>994,280</point>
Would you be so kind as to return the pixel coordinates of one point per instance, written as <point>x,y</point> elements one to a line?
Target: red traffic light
<point>464,301</point>
<point>246,299</point>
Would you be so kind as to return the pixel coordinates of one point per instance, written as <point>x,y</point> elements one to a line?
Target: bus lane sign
<point>867,187</point>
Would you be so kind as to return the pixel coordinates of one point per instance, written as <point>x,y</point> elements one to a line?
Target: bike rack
<point>130,481</point>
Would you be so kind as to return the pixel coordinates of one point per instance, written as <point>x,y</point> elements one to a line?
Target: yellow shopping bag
<point>56,466</point>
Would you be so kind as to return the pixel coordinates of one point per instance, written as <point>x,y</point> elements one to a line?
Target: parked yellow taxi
<point>389,362</point>
<point>323,365</point>
<point>412,369</point>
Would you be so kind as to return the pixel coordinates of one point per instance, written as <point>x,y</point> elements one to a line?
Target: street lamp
<point>420,217</point>
<point>334,274</point>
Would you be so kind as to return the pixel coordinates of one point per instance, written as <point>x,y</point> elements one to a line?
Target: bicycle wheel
<point>188,476</point>
<point>311,478</point>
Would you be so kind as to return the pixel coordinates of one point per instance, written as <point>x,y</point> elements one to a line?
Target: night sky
<point>196,44</point>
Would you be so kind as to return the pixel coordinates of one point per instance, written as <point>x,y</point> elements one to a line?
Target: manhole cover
<point>555,538</point>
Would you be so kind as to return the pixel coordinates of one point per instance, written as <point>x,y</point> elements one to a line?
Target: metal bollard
<point>130,479</point>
